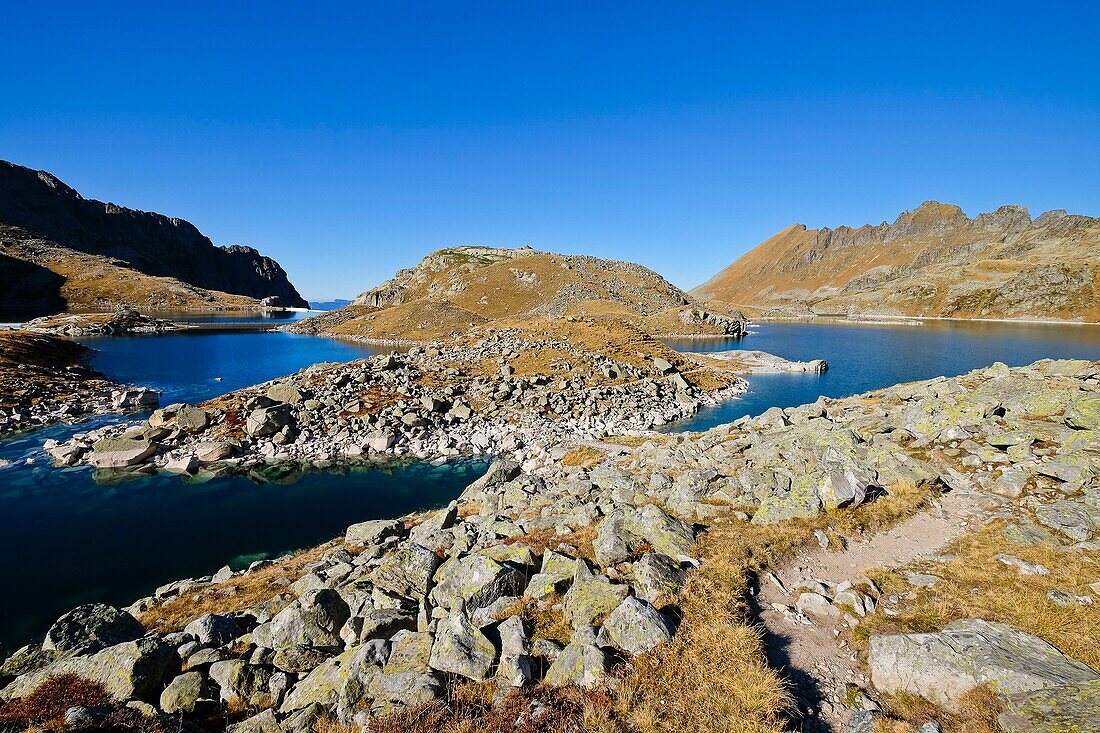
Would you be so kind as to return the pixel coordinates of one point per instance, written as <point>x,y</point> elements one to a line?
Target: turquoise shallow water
<point>67,539</point>
<point>865,357</point>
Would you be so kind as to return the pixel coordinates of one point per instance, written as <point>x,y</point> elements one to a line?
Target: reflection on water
<point>864,357</point>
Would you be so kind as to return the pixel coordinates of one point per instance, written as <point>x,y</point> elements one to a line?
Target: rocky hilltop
<point>58,249</point>
<point>932,261</point>
<point>921,557</point>
<point>455,289</point>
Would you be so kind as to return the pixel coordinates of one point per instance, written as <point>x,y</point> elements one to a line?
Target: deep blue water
<point>67,538</point>
<point>864,357</point>
<point>186,365</point>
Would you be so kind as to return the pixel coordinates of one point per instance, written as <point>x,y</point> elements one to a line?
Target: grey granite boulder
<point>580,664</point>
<point>626,531</point>
<point>475,581</point>
<point>133,669</point>
<point>407,677</point>
<point>214,630</point>
<point>460,648</point>
<point>655,577</point>
<point>120,452</point>
<point>92,627</point>
<point>637,627</point>
<point>314,620</point>
<point>1074,519</point>
<point>343,679</point>
<point>407,572</point>
<point>944,665</point>
<point>267,421</point>
<point>183,693</point>
<point>373,532</point>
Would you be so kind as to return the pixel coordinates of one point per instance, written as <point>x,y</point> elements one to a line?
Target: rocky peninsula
<point>45,379</point>
<point>621,579</point>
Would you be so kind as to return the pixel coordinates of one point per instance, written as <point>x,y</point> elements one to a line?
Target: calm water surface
<point>66,538</point>
<point>864,357</point>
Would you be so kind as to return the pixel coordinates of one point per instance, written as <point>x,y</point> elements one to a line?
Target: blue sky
<point>348,140</point>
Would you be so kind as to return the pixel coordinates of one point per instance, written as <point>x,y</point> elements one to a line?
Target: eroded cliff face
<point>932,261</point>
<point>146,243</point>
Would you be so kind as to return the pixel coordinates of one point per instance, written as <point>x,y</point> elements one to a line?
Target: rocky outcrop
<point>121,322</point>
<point>945,665</point>
<point>454,289</point>
<point>433,402</point>
<point>932,261</point>
<point>45,379</point>
<point>148,243</point>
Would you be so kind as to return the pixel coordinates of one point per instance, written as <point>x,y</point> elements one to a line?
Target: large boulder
<point>241,684</point>
<point>580,664</point>
<point>591,599</point>
<point>944,665</point>
<point>314,620</point>
<point>91,627</point>
<point>343,679</point>
<point>475,581</point>
<point>213,629</point>
<point>656,577</point>
<point>266,421</point>
<point>120,452</point>
<point>460,648</point>
<point>628,531</point>
<point>637,627</point>
<point>133,669</point>
<point>186,418</point>
<point>183,693</point>
<point>373,532</point>
<point>407,572</point>
<point>407,678</point>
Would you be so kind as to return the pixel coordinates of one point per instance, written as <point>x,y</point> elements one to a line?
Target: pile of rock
<point>120,322</point>
<point>402,610</point>
<point>428,403</point>
<point>45,380</point>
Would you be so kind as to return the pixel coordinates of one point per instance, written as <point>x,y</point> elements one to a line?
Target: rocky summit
<point>932,261</point>
<point>567,567</point>
<point>60,250</point>
<point>455,289</point>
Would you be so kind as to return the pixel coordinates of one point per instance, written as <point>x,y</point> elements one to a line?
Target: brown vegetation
<point>243,591</point>
<point>977,585</point>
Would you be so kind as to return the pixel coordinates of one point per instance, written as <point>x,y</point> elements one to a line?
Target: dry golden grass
<point>977,585</point>
<point>976,712</point>
<point>713,675</point>
<point>234,595</point>
<point>585,456</point>
<point>426,319</point>
<point>470,709</point>
<point>546,539</point>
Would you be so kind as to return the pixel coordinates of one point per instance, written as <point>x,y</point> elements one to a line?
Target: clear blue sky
<point>348,140</point>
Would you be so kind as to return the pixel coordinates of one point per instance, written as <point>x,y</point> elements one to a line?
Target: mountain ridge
<point>152,244</point>
<point>932,261</point>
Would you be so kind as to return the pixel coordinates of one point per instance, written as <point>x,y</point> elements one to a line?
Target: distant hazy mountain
<point>58,249</point>
<point>328,305</point>
<point>933,261</point>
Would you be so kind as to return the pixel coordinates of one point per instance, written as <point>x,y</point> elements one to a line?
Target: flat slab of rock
<point>120,452</point>
<point>943,666</point>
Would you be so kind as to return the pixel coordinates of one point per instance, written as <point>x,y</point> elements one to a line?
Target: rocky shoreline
<point>45,380</point>
<point>429,403</point>
<point>559,570</point>
<point>121,322</point>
